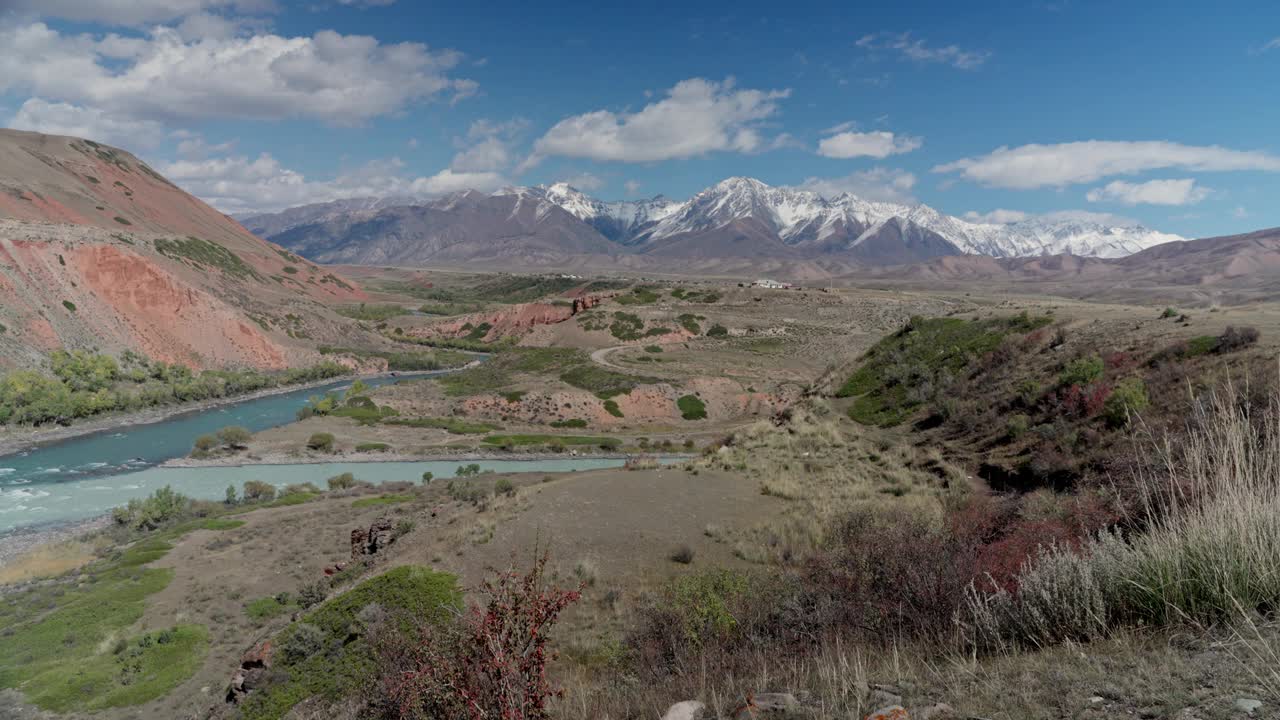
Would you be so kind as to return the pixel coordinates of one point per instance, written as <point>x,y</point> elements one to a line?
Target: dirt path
<point>600,356</point>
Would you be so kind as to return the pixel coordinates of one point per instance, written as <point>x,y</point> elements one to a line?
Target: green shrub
<point>691,407</point>
<point>717,331</point>
<point>1082,371</point>
<point>69,305</point>
<point>203,446</point>
<point>653,348</point>
<point>372,447</point>
<point>258,491</point>
<point>1128,397</point>
<point>234,437</point>
<point>427,477</point>
<point>204,253</point>
<point>345,481</point>
<point>503,486</point>
<point>321,442</point>
<point>611,407</point>
<point>1017,426</point>
<point>570,423</point>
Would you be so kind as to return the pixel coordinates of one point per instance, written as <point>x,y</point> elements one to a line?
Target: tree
<point>231,495</point>
<point>234,437</point>
<point>427,477</point>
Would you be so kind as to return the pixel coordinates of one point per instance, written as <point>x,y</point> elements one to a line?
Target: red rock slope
<point>97,250</point>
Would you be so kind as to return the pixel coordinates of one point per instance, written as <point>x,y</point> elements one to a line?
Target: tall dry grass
<point>1207,546</point>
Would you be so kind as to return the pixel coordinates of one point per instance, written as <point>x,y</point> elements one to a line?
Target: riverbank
<point>16,440</point>
<point>22,541</point>
<point>290,458</point>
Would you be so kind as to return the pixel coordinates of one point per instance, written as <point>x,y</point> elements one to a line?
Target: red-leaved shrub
<point>490,666</point>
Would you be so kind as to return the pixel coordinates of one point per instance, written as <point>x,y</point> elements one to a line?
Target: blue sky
<point>1167,113</point>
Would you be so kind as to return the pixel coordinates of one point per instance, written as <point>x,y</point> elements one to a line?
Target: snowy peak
<point>806,219</point>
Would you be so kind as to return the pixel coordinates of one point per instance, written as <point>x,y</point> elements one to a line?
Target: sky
<point>1164,113</point>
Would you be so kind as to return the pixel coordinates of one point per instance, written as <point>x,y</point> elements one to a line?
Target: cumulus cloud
<point>584,181</point>
<point>66,119</point>
<point>878,144</point>
<point>1153,192</point>
<point>999,216</point>
<point>342,79</point>
<point>240,184</point>
<point>696,117</point>
<point>488,146</point>
<point>1035,166</point>
<point>876,184</point>
<point>632,187</point>
<point>133,12</point>
<point>920,51</point>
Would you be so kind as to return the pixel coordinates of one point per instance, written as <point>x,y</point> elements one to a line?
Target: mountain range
<point>735,220</point>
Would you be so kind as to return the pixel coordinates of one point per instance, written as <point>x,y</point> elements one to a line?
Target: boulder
<point>687,710</point>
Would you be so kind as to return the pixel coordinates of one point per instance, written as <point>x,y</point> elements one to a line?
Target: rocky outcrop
<point>511,320</point>
<point>367,543</point>
<point>255,666</point>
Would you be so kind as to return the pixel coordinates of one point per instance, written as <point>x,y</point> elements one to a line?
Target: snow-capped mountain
<point>739,217</point>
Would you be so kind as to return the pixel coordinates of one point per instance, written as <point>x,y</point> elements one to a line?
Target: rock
<point>1248,705</point>
<point>884,695</point>
<point>254,666</point>
<point>687,710</point>
<point>772,706</point>
<point>940,711</point>
<point>377,538</point>
<point>890,712</point>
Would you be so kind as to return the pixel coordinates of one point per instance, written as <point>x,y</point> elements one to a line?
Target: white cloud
<point>1154,192</point>
<point>240,184</point>
<point>1274,44</point>
<point>877,184</point>
<point>488,146</point>
<point>132,12</point>
<point>999,216</point>
<point>919,50</point>
<point>584,181</point>
<point>1035,166</point>
<point>695,118</point>
<point>877,144</point>
<point>1088,217</point>
<point>66,119</point>
<point>632,187</point>
<point>1240,212</point>
<point>342,79</point>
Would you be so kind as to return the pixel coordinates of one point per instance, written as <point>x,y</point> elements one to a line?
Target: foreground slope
<point>101,251</point>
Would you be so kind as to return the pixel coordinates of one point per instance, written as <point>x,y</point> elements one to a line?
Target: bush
<point>234,437</point>
<point>1017,426</point>
<point>203,446</point>
<point>1082,371</point>
<point>258,491</point>
<point>503,486</point>
<point>162,507</point>
<point>303,641</point>
<point>717,330</point>
<point>493,665</point>
<point>1237,338</point>
<point>1128,397</point>
<point>230,498</point>
<point>682,555</point>
<point>312,594</point>
<point>571,423</point>
<point>345,481</point>
<point>321,442</point>
<point>691,407</point>
<point>427,477</point>
<point>611,407</point>
<point>1207,554</point>
<point>372,447</point>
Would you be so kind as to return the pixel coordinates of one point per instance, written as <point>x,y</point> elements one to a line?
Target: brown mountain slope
<point>1228,269</point>
<point>97,250</point>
